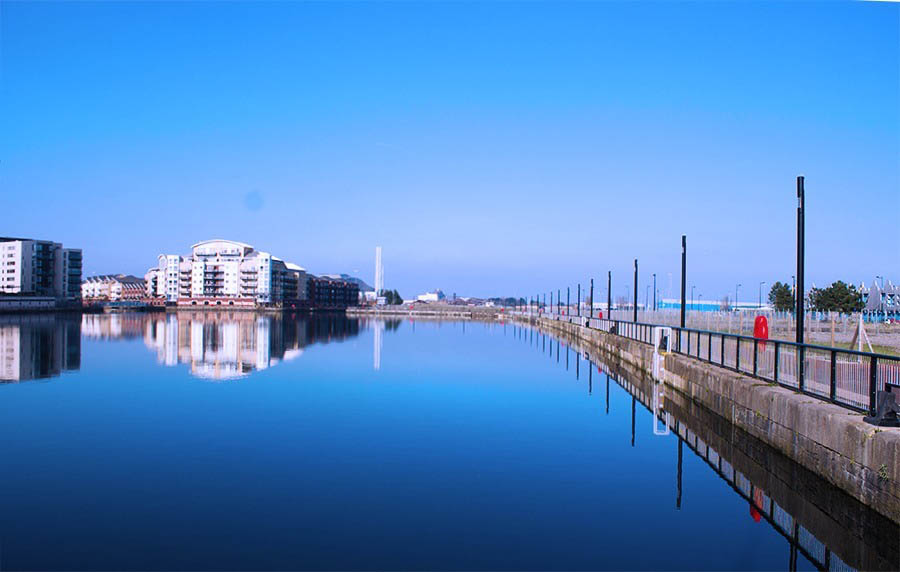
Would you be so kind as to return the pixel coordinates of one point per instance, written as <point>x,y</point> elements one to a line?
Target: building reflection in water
<point>116,326</point>
<point>216,345</point>
<point>38,346</point>
<point>229,345</point>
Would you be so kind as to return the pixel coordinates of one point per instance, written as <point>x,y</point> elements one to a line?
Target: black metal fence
<point>845,377</point>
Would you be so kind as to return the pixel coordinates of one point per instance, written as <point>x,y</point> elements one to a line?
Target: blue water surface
<point>468,447</point>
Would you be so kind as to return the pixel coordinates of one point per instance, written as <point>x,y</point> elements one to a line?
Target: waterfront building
<point>234,274</point>
<point>366,292</point>
<point>331,294</point>
<point>113,288</point>
<point>31,267</point>
<point>225,272</point>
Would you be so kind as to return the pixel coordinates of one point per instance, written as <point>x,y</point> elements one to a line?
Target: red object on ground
<point>601,314</point>
<point>754,513</point>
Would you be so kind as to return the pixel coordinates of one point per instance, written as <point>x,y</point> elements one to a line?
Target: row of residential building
<point>41,274</point>
<point>229,273</point>
<point>114,288</point>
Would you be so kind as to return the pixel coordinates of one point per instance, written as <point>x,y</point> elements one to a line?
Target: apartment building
<point>225,272</point>
<point>40,268</point>
<point>330,294</point>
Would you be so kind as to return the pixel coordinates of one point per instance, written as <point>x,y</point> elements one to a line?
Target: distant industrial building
<point>227,273</point>
<point>699,305</point>
<point>435,296</point>
<point>42,268</point>
<point>113,288</point>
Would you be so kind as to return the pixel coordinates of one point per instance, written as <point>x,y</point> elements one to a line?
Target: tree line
<point>391,297</point>
<point>839,297</point>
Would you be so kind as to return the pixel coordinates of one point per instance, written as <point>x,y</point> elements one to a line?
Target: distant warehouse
<point>234,274</point>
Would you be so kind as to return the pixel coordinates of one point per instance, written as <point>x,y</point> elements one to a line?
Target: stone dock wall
<point>427,311</point>
<point>828,440</point>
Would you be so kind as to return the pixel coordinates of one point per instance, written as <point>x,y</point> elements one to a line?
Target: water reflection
<point>229,345</point>
<point>215,345</point>
<point>820,523</point>
<point>378,327</point>
<point>38,346</point>
<point>123,468</point>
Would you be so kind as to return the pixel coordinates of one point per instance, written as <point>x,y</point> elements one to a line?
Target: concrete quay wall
<point>426,311</point>
<point>832,442</point>
<point>860,536</point>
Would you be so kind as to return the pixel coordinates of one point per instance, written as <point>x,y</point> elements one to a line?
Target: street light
<point>760,294</point>
<point>736,295</point>
<point>882,281</point>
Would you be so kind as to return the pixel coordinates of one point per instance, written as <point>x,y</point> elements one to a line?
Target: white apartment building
<point>224,269</point>
<point>40,268</point>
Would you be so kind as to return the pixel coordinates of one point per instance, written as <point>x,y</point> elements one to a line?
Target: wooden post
<point>832,329</point>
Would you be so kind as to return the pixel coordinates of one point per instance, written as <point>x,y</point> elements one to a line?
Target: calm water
<point>217,441</point>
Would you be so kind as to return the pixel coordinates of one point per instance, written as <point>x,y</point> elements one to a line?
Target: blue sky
<point>489,148</point>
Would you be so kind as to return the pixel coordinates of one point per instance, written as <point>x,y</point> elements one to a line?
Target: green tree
<point>838,297</point>
<point>781,297</point>
<point>391,297</point>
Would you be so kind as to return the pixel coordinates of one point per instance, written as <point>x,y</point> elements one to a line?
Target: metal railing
<point>844,377</point>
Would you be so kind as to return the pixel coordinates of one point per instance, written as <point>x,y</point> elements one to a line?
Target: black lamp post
<point>634,309</point>
<point>683,275</point>
<point>609,295</point>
